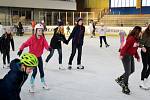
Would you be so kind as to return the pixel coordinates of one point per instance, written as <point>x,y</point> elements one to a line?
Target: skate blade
<point>144,88</point>
<point>46,88</point>
<point>126,93</point>
<point>31,91</point>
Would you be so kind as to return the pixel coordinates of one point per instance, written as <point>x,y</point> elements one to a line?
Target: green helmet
<point>28,59</point>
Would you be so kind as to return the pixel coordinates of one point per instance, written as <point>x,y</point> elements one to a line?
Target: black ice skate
<point>107,45</point>
<point>120,81</point>
<point>80,67</point>
<point>69,67</point>
<point>126,90</point>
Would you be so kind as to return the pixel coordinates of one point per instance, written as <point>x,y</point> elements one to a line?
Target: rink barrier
<point>111,31</point>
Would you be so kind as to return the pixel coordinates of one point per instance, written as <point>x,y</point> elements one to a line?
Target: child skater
<point>6,40</point>
<point>36,44</point>
<point>77,36</point>
<point>127,54</point>
<point>56,43</point>
<point>11,84</point>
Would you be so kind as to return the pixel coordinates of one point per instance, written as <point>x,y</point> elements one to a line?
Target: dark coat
<point>77,35</point>
<point>10,85</point>
<point>5,41</point>
<point>56,39</point>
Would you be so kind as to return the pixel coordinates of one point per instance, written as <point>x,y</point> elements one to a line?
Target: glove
<point>50,48</point>
<point>19,53</point>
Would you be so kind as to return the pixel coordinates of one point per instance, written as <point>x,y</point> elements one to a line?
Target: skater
<point>122,35</point>
<point>56,43</point>
<point>102,33</point>
<point>1,29</point>
<point>77,37</point>
<point>36,44</point>
<point>145,54</point>
<point>33,23</point>
<point>6,40</point>
<point>92,28</point>
<point>20,29</point>
<point>68,29</point>
<point>127,54</point>
<point>11,84</point>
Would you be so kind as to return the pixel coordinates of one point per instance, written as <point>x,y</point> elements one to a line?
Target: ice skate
<point>32,89</point>
<point>107,45</point>
<point>144,85</point>
<point>126,90</point>
<point>80,67</point>
<point>69,67</point>
<point>61,67</point>
<point>120,81</point>
<point>44,85</point>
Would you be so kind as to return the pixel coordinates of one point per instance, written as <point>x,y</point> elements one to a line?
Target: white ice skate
<point>144,85</point>
<point>4,65</point>
<point>80,67</point>
<point>44,86</point>
<point>61,67</point>
<point>32,89</point>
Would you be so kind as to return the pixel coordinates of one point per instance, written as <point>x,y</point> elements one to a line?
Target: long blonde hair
<point>60,30</point>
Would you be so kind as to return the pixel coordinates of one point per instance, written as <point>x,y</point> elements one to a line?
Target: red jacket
<point>128,47</point>
<point>36,46</point>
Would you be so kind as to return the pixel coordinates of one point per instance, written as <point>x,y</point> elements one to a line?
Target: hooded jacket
<point>10,85</point>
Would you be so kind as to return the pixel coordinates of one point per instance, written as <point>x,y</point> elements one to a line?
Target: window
<point>123,3</point>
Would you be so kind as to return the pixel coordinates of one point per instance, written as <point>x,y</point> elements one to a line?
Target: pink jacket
<point>36,46</point>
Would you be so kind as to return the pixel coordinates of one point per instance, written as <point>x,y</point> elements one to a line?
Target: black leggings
<point>146,65</point>
<point>6,53</point>
<point>74,47</point>
<point>103,38</point>
<point>40,66</point>
<point>51,54</point>
<point>129,67</point>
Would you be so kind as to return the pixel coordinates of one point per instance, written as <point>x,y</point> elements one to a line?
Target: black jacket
<point>5,41</point>
<point>77,35</point>
<point>56,39</point>
<point>10,85</point>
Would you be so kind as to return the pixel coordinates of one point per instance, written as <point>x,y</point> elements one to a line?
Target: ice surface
<point>96,82</point>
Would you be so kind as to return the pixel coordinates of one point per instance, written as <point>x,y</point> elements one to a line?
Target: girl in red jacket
<point>127,54</point>
<point>36,44</point>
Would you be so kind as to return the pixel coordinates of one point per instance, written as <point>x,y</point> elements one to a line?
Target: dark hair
<point>135,32</point>
<point>147,31</point>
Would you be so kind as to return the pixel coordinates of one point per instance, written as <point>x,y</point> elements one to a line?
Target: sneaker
<point>69,67</point>
<point>100,46</point>
<point>61,67</point>
<point>126,90</point>
<point>120,81</point>
<point>80,67</point>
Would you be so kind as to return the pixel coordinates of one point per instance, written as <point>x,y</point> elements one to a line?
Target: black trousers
<point>51,54</point>
<point>146,65</point>
<point>104,39</point>
<point>74,48</point>
<point>6,54</point>
<point>129,67</point>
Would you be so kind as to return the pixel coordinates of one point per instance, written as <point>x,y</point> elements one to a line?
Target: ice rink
<point>95,82</point>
